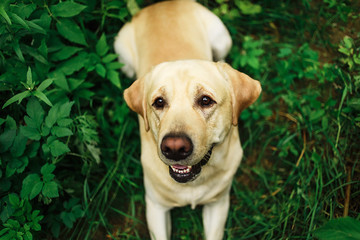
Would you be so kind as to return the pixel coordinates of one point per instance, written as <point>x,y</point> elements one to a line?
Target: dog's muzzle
<point>183,174</point>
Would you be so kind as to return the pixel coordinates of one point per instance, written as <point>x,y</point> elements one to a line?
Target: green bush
<point>69,146</point>
<point>59,79</point>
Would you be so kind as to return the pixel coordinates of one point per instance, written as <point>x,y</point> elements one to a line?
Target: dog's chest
<point>202,191</point>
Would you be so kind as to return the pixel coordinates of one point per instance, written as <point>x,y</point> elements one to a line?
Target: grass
<point>299,139</point>
<point>299,144</point>
<point>301,153</point>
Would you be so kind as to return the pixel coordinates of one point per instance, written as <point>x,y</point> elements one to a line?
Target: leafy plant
<point>19,221</point>
<point>342,228</point>
<point>29,85</point>
<point>49,49</point>
<point>249,55</point>
<point>69,145</point>
<point>352,54</point>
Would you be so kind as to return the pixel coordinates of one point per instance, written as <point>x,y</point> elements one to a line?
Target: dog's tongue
<point>180,167</point>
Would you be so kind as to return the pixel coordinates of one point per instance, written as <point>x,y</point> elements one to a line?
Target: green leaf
<point>8,136</point>
<point>51,118</point>
<point>58,148</point>
<point>95,152</point>
<point>3,231</point>
<point>18,51</point>
<point>61,131</point>
<point>28,183</point>
<point>284,52</point>
<point>19,145</point>
<point>114,78</point>
<point>248,8</point>
<point>14,199</point>
<point>29,80</point>
<point>316,115</point>
<point>47,168</point>
<point>35,27</point>
<point>60,80</point>
<point>86,94</point>
<point>10,123</point>
<point>24,160</point>
<point>65,109</point>
<point>58,111</point>
<point>354,103</point>
<point>67,9</point>
<point>35,53</point>
<point>45,84</point>
<point>28,236</point>
<point>18,97</point>
<point>42,97</point>
<point>344,51</point>
<point>11,170</point>
<point>43,49</point>
<point>68,219</point>
<point>36,190</point>
<point>24,10</point>
<point>3,12</point>
<point>109,58</point>
<point>65,53</point>
<point>71,31</point>
<point>339,229</point>
<point>31,133</point>
<point>48,177</point>
<point>45,131</point>
<point>19,20</point>
<point>114,65</point>
<point>73,64</point>
<point>101,46</point>
<point>64,122</point>
<point>50,190</point>
<point>100,69</point>
<point>35,112</point>
<point>132,7</point>
<point>348,42</point>
<point>75,83</point>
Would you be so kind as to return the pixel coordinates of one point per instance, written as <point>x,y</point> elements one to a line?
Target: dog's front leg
<point>158,220</point>
<point>214,217</point>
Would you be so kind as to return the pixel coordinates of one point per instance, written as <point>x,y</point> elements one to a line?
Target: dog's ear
<point>245,90</point>
<point>135,98</point>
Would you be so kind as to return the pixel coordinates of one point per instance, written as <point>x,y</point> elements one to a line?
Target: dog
<point>188,101</point>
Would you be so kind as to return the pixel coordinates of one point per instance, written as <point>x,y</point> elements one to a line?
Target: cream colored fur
<point>170,47</point>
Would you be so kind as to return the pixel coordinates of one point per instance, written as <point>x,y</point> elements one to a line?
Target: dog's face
<point>189,107</point>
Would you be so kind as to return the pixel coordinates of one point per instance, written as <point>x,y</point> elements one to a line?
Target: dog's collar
<point>207,157</point>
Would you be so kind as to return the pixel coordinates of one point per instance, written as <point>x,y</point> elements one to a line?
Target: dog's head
<point>189,107</point>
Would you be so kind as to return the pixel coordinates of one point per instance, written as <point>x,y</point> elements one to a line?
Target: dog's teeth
<point>181,171</point>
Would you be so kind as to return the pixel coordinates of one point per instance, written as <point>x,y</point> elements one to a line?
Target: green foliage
<point>19,221</point>
<point>52,55</point>
<point>69,146</point>
<point>72,212</point>
<point>352,53</point>
<point>29,85</point>
<point>341,228</point>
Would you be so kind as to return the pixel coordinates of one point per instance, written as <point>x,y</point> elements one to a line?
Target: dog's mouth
<point>183,174</point>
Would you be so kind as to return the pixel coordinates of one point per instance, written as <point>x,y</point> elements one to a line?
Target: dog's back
<point>169,38</point>
<point>155,36</point>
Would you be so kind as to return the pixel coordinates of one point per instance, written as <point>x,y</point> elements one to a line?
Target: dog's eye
<point>206,101</point>
<point>159,103</point>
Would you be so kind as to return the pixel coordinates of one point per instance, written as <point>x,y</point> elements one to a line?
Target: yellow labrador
<point>189,108</point>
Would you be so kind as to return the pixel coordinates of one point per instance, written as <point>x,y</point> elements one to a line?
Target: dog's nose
<point>176,147</point>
